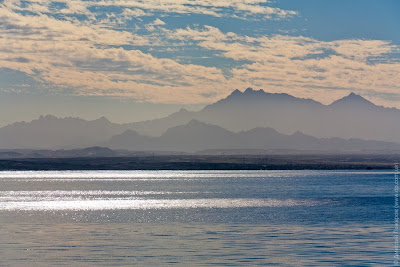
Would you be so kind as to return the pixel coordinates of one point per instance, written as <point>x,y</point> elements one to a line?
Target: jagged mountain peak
<point>352,99</point>
<point>259,98</point>
<point>252,91</point>
<point>248,92</point>
<point>236,92</point>
<point>194,126</point>
<point>183,112</point>
<point>102,119</point>
<point>353,96</point>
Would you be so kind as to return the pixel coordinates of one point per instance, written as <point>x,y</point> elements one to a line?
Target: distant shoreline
<point>206,162</point>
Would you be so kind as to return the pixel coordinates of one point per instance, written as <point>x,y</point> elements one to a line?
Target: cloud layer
<point>120,49</point>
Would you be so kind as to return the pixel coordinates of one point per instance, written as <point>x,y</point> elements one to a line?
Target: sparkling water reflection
<point>313,218</point>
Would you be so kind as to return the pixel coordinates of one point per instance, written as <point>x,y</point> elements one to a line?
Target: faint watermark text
<point>396,214</point>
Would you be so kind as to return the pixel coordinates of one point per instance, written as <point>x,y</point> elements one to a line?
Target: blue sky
<point>134,60</point>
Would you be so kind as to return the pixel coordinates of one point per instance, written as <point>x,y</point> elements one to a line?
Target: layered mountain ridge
<point>196,136</point>
<point>350,117</point>
<point>225,124</point>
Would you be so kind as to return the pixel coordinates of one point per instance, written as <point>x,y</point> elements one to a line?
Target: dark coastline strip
<point>285,162</point>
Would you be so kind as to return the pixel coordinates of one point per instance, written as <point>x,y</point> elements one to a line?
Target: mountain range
<point>350,117</point>
<point>49,132</point>
<point>196,136</point>
<point>253,119</point>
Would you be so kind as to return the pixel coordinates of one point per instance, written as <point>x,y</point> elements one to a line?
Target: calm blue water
<point>214,218</point>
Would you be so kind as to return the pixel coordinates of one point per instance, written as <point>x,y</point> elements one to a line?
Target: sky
<point>132,60</point>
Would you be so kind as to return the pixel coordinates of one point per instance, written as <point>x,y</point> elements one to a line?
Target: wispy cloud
<point>305,66</point>
<point>79,46</point>
<point>71,54</point>
<point>206,7</point>
<point>219,8</point>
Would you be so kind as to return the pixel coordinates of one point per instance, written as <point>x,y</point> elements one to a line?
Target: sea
<point>198,218</point>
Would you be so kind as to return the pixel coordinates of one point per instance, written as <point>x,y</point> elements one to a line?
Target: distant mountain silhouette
<point>352,101</point>
<point>241,113</point>
<point>131,139</point>
<point>159,126</point>
<point>349,117</point>
<point>193,136</point>
<point>49,132</point>
<point>196,136</point>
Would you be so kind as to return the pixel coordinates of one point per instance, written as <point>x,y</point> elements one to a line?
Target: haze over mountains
<point>252,119</point>
<point>49,132</point>
<point>349,117</point>
<point>196,136</point>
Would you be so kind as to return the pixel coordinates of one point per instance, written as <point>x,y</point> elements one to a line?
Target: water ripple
<point>119,204</point>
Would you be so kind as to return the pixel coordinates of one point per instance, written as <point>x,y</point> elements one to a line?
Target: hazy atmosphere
<point>199,132</point>
<point>138,60</point>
